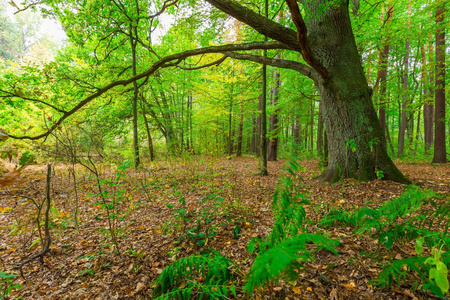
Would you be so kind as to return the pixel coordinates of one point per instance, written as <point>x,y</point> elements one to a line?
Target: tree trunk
<point>149,136</point>
<point>273,126</point>
<point>230,124</point>
<point>263,101</point>
<point>137,161</point>
<point>401,133</point>
<point>320,133</point>
<point>427,117</point>
<point>440,153</point>
<point>240,133</point>
<point>348,110</point>
<point>326,41</point>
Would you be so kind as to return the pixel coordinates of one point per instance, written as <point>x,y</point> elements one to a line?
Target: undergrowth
<point>279,255</point>
<point>419,215</point>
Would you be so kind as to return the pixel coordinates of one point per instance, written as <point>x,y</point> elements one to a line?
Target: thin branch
<point>10,95</point>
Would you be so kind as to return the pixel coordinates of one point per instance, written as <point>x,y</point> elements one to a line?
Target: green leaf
<point>419,246</point>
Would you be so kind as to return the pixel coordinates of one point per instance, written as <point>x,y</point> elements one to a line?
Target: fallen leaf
<point>333,294</point>
<point>351,286</point>
<point>140,286</point>
<point>297,290</point>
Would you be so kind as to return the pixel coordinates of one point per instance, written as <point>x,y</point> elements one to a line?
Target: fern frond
<point>397,270</point>
<point>213,268</point>
<point>285,259</point>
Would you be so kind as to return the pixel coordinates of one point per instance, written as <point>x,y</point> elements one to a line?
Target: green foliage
<point>386,221</point>
<point>197,224</point>
<point>432,271</point>
<point>394,221</point>
<point>281,253</point>
<point>7,284</point>
<point>196,276</point>
<point>285,259</point>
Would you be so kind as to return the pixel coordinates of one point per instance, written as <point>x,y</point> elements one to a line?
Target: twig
<point>48,240</point>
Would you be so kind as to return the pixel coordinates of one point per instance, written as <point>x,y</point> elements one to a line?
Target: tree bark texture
<point>440,153</point>
<point>348,111</point>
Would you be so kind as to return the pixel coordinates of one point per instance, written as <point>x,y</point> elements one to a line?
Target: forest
<point>224,149</point>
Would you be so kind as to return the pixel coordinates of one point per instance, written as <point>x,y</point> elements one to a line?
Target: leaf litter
<point>236,206</point>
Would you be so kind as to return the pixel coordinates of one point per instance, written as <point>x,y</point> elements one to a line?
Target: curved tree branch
<point>260,23</point>
<point>280,63</point>
<point>302,33</point>
<point>162,63</point>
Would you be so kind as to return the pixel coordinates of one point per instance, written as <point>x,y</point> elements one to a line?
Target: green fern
<point>182,277</point>
<point>285,259</point>
<point>397,270</point>
<point>281,254</point>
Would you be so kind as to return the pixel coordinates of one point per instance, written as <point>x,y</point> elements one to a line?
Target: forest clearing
<point>224,149</point>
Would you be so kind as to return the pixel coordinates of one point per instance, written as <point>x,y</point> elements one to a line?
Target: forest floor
<point>229,201</point>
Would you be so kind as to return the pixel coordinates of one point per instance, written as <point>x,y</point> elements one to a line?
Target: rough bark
<point>273,124</point>
<point>440,154</point>
<point>320,133</point>
<point>348,111</point>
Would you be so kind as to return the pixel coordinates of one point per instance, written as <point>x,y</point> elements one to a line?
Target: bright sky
<point>54,29</point>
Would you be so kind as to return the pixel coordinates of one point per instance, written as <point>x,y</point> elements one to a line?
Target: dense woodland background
<point>158,118</point>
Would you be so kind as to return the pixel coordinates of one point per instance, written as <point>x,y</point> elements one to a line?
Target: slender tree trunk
<point>263,100</point>
<point>440,153</point>
<point>274,126</point>
<point>401,134</point>
<point>254,141</point>
<point>149,136</point>
<point>230,125</point>
<point>240,132</point>
<point>382,69</point>
<point>427,117</point>
<point>137,160</point>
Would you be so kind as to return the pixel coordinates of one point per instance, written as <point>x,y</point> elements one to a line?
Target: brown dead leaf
<point>297,290</point>
<point>351,286</point>
<point>9,178</point>
<point>333,294</point>
<point>140,286</point>
<point>342,277</point>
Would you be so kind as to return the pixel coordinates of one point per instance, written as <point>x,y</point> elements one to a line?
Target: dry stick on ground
<point>48,240</point>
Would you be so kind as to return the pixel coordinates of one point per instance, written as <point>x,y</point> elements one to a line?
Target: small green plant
<point>7,284</point>
<point>373,143</point>
<point>431,270</point>
<point>380,174</point>
<point>351,145</point>
<point>438,275</point>
<point>384,221</point>
<point>198,226</point>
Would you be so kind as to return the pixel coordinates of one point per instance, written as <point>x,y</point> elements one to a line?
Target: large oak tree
<point>324,37</point>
